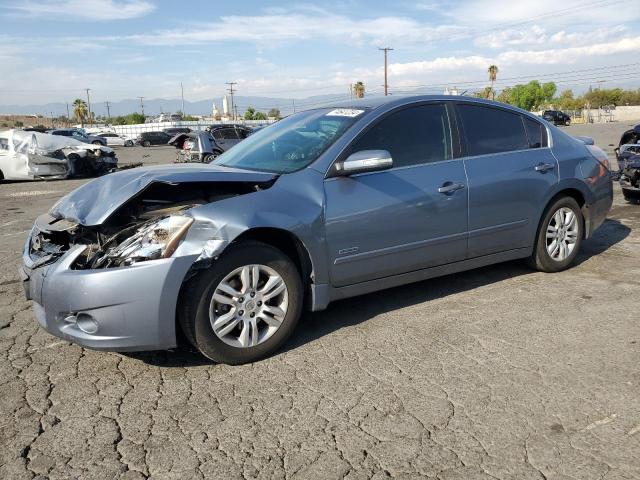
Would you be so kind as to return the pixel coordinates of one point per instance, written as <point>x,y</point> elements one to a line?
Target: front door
<point>410,217</point>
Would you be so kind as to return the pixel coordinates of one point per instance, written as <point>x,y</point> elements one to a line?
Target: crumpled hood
<point>95,201</point>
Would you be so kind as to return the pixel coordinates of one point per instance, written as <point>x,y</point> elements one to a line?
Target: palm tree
<point>80,110</point>
<point>493,73</point>
<point>358,89</point>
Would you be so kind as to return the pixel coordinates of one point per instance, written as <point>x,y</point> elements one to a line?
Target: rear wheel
<point>567,123</point>
<point>559,236</point>
<point>128,143</point>
<point>245,306</point>
<point>146,143</point>
<point>96,142</point>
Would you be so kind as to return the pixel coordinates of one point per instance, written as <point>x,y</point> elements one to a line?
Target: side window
<point>536,133</point>
<point>491,130</point>
<point>413,136</point>
<point>230,134</point>
<point>217,134</point>
<point>244,133</point>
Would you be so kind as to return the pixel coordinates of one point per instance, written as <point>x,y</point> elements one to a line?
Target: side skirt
<point>325,294</point>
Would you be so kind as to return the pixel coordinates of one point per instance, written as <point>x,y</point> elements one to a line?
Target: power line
<point>623,66</point>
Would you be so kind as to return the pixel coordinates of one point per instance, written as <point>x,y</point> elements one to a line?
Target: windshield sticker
<point>344,112</point>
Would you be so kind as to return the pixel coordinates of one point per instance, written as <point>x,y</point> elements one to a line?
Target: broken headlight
<point>158,239</point>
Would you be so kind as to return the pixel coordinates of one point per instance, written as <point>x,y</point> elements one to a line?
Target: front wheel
<point>128,143</point>
<point>559,236</point>
<point>210,157</point>
<point>96,142</point>
<point>146,143</point>
<point>567,123</point>
<point>245,306</point>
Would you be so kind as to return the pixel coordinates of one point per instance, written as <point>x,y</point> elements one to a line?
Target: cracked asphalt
<point>497,373</point>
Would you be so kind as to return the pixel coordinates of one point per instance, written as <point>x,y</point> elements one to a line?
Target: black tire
<point>567,123</point>
<point>196,294</point>
<point>128,143</point>
<point>96,142</point>
<point>210,157</point>
<point>146,143</point>
<point>540,259</point>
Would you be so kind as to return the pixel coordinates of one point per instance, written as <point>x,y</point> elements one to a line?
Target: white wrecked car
<point>33,155</point>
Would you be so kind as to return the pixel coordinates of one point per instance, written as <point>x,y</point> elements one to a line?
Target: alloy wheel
<point>562,234</point>
<point>248,306</point>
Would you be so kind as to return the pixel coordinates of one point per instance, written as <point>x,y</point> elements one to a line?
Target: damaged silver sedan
<point>28,155</point>
<point>323,205</point>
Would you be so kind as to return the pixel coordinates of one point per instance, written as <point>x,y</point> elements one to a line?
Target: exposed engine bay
<point>148,226</point>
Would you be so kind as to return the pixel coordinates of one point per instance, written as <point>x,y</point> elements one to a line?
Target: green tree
<point>358,89</point>
<point>532,95</point>
<point>259,116</point>
<point>487,92</point>
<point>18,124</point>
<point>274,113</point>
<point>80,110</point>
<point>505,95</point>
<point>493,74</point>
<point>249,113</point>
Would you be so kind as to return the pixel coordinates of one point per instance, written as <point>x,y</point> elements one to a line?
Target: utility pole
<point>141,105</point>
<point>231,92</point>
<point>89,106</point>
<point>386,84</point>
<point>182,96</point>
<point>68,118</point>
<point>108,105</point>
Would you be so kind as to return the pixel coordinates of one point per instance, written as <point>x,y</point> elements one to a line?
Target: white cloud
<point>92,10</point>
<point>278,27</point>
<point>534,35</point>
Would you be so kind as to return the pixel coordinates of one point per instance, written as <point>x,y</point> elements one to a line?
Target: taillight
<point>600,155</point>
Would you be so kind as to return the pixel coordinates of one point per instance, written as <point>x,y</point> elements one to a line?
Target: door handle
<point>450,187</point>
<point>544,167</point>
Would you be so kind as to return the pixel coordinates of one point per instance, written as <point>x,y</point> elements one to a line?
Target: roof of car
<point>392,100</point>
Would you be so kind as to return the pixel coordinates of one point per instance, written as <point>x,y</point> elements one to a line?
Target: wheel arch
<point>572,192</point>
<point>289,244</point>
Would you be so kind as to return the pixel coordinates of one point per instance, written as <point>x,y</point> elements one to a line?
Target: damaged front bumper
<point>119,309</point>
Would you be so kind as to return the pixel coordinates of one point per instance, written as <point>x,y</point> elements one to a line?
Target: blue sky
<point>51,49</point>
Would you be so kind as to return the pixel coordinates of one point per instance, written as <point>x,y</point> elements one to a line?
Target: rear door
<point>511,171</point>
<point>410,217</point>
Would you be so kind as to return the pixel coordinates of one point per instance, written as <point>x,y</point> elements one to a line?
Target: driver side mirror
<point>364,161</point>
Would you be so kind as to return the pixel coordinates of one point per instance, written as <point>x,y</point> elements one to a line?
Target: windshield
<point>291,144</point>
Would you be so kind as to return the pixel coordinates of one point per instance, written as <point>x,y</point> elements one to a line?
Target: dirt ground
<point>497,373</point>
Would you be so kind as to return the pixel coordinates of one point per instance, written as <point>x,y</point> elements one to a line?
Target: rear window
<point>491,130</point>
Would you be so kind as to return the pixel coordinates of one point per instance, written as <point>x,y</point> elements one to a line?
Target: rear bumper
<point>596,213</point>
<point>118,309</point>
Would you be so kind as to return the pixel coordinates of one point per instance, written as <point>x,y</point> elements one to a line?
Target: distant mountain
<point>156,106</point>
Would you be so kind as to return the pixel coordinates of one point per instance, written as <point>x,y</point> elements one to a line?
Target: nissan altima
<point>325,204</point>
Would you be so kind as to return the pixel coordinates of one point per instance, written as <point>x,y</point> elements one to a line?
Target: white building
<point>225,106</point>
